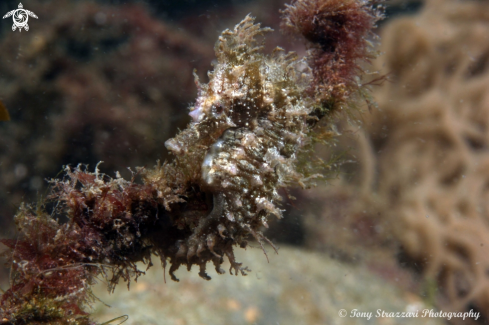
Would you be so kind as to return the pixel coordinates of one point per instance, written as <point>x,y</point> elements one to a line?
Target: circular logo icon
<point>342,313</point>
<point>20,18</point>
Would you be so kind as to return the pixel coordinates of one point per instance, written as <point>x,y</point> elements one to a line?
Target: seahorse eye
<point>218,108</point>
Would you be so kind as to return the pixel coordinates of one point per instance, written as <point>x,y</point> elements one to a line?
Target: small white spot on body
<point>256,180</point>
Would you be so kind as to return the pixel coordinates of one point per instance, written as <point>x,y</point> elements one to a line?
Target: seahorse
<point>255,122</point>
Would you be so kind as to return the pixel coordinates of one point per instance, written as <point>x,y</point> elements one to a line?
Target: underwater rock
<point>296,287</point>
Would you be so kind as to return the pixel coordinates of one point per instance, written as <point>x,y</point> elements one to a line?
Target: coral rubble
<point>254,127</point>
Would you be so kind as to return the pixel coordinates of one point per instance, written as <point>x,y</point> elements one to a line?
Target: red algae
<point>339,35</point>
